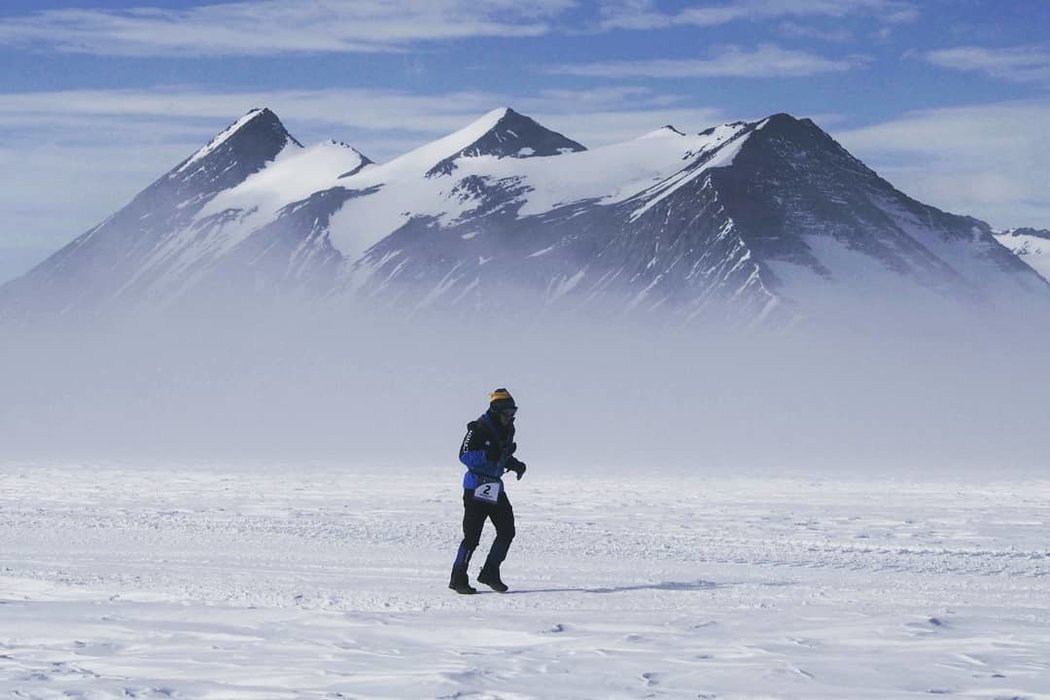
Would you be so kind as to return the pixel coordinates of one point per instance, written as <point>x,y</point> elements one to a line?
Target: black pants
<point>475,512</point>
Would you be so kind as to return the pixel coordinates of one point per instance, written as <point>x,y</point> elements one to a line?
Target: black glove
<point>510,448</point>
<point>518,467</point>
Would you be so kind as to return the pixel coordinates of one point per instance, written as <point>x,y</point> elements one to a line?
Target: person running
<point>487,452</point>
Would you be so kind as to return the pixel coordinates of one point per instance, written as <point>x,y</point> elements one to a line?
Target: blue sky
<point>947,99</point>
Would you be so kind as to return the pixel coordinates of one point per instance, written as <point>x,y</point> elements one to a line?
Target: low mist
<point>294,386</point>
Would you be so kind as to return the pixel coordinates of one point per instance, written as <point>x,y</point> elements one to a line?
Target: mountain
<point>184,224</point>
<point>102,263</point>
<point>749,220</point>
<point>1033,245</point>
<point>504,133</point>
<point>769,217</point>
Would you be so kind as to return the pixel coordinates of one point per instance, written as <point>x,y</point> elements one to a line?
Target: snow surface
<point>299,581</point>
<point>1034,250</point>
<point>417,162</point>
<point>293,176</point>
<point>608,174</point>
<point>363,222</point>
<point>724,143</point>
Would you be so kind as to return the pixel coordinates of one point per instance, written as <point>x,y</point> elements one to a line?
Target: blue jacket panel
<point>481,435</point>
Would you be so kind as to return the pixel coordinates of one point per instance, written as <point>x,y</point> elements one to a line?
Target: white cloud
<point>265,27</point>
<point>644,14</point>
<point>166,116</point>
<point>797,30</point>
<point>199,112</point>
<point>987,161</point>
<point>731,62</point>
<point>1025,64</point>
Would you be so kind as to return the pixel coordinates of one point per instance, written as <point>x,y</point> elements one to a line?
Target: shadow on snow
<point>698,585</point>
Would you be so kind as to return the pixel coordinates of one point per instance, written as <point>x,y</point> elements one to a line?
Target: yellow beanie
<point>503,397</point>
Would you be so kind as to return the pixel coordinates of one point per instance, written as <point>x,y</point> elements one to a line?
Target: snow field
<point>290,581</point>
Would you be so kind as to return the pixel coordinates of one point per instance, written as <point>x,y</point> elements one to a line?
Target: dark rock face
<point>513,136</point>
<point>229,159</point>
<point>792,188</point>
<point>1034,232</point>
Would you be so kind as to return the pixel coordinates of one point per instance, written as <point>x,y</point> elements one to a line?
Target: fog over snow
<point>361,388</point>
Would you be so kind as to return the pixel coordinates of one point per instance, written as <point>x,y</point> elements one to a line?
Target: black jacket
<point>487,450</point>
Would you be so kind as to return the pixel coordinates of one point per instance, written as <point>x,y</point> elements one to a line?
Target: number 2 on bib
<point>488,492</point>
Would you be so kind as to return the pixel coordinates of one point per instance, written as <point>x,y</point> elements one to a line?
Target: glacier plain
<point>250,580</point>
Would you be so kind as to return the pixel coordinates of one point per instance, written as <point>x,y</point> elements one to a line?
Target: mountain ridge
<point>745,219</point>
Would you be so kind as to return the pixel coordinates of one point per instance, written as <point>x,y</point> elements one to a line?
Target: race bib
<point>488,492</point>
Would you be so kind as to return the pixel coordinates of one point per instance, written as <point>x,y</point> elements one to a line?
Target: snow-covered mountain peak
<point>504,133</point>
<point>257,127</point>
<point>729,126</point>
<point>663,132</point>
<point>784,128</point>
<point>501,133</point>
<point>783,120</point>
<point>486,122</point>
<point>342,151</point>
<point>338,144</point>
<point>806,147</point>
<point>243,148</point>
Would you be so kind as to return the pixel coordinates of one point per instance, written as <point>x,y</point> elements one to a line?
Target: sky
<point>947,99</point>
